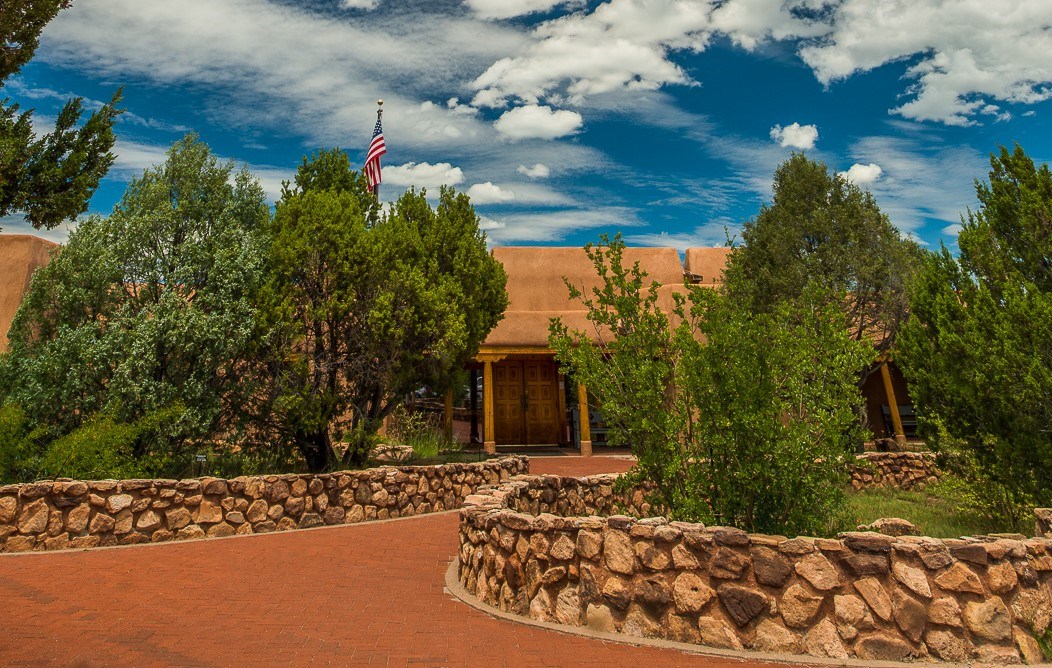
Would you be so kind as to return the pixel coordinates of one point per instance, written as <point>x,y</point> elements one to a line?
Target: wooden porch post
<point>893,404</point>
<point>447,415</point>
<point>585,426</point>
<point>488,424</point>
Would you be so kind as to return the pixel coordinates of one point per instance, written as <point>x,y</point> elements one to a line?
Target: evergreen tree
<point>978,346</point>
<point>49,178</point>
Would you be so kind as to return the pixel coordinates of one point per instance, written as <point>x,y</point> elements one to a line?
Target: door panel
<point>542,404</point>
<point>507,403</point>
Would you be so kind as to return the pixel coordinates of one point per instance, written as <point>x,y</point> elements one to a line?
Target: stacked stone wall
<point>532,546</point>
<point>895,470</point>
<point>61,514</point>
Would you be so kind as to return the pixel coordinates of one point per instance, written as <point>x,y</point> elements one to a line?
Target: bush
<point>735,418</point>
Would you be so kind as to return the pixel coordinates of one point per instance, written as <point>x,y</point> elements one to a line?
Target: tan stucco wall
<point>20,256</point>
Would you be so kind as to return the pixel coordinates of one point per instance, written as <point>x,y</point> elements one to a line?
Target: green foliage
<point>16,447</point>
<point>823,232</point>
<point>420,431</point>
<point>735,417</point>
<point>49,178</point>
<point>367,307</point>
<point>978,347</point>
<point>147,309</point>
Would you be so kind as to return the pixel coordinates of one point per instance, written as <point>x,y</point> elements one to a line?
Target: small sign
<point>201,458</point>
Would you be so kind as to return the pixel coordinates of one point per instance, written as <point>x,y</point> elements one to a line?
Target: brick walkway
<point>354,595</point>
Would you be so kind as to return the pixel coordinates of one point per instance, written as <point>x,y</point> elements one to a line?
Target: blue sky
<point>662,119</point>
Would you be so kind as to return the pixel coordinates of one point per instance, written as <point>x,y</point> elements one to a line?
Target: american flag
<point>372,158</point>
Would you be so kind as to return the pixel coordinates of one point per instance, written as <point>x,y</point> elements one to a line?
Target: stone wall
<point>862,595</point>
<point>898,470</point>
<point>62,514</point>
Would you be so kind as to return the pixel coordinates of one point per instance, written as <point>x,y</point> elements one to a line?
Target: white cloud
<point>622,44</point>
<point>264,73</point>
<point>538,171</point>
<point>17,224</point>
<point>751,22</point>
<point>538,122</point>
<point>714,233</point>
<point>952,230</point>
<point>795,136</point>
<point>967,51</point>
<point>923,180</point>
<point>487,193</point>
<point>505,9</point>
<point>359,4</point>
<point>555,225</point>
<point>423,175</point>
<point>964,53</point>
<point>488,224</point>
<point>863,175</point>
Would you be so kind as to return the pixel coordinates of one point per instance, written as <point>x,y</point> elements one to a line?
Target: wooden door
<point>542,402</point>
<point>508,423</point>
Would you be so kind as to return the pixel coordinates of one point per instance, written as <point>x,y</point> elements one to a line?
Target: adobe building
<point>20,256</point>
<point>533,403</point>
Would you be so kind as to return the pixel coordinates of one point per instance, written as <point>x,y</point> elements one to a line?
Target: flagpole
<point>379,118</point>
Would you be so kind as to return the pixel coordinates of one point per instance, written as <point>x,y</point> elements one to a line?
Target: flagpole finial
<point>379,107</point>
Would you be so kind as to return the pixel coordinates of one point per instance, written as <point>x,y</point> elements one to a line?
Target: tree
<point>50,178</point>
<point>735,417</point>
<point>148,310</point>
<point>368,307</point>
<point>822,231</point>
<point>978,346</point>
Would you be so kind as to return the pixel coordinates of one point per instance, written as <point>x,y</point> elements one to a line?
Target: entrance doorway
<point>526,402</point>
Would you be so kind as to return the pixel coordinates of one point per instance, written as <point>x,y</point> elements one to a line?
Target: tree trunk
<point>316,448</point>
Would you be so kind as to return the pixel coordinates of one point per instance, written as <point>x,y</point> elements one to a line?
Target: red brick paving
<point>366,594</point>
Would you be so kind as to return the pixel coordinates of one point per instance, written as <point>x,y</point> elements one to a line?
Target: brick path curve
<point>353,595</point>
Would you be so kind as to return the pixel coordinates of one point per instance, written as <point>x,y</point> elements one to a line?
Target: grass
<point>934,511</point>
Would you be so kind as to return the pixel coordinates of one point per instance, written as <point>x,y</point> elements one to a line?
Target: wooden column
<point>488,419</point>
<point>447,415</point>
<point>585,426</point>
<point>893,404</point>
<point>474,394</point>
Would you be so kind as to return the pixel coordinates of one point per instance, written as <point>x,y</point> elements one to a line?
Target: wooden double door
<point>526,402</point>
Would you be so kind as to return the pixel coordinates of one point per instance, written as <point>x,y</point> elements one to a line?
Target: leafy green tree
<point>368,307</point>
<point>49,178</point>
<point>822,231</point>
<point>978,346</point>
<point>148,309</point>
<point>735,417</point>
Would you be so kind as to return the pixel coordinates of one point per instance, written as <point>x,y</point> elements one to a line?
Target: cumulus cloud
<point>538,171</point>
<point>966,53</point>
<point>795,136</point>
<point>505,9</point>
<point>487,193</point>
<point>621,45</point>
<point>969,51</point>
<point>538,122</point>
<point>749,23</point>
<point>863,175</point>
<point>423,175</point>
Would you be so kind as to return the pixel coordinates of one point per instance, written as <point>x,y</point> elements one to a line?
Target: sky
<point>660,119</point>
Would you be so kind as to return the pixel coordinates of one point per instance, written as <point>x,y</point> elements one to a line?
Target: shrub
<point>737,418</point>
